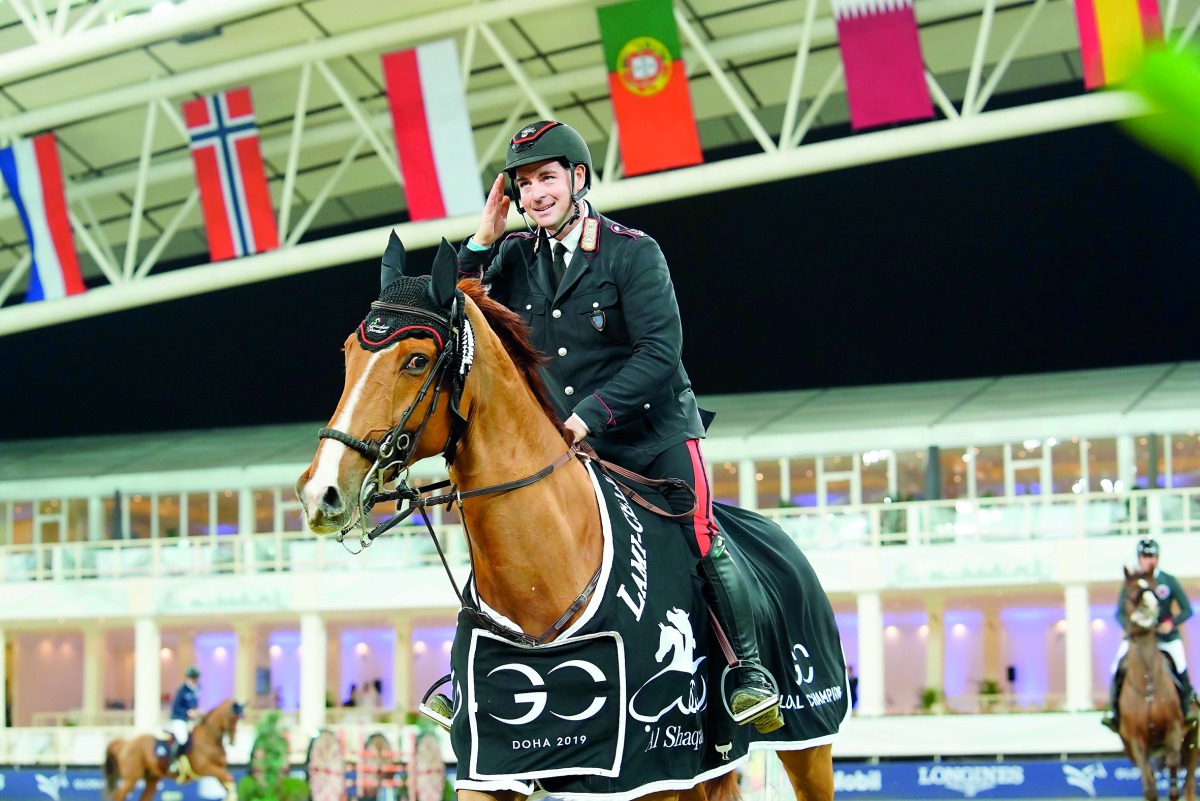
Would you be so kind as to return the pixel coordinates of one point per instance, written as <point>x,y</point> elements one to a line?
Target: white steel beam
<point>814,108</point>
<point>714,69</point>
<point>14,275</point>
<point>89,16</point>
<point>167,235</point>
<point>111,270</point>
<point>514,70</point>
<point>761,168</point>
<point>30,22</point>
<point>80,46</point>
<point>1009,53</point>
<point>792,107</point>
<point>939,96</point>
<point>139,194</point>
<point>293,157</point>
<point>364,123</point>
<point>981,42</point>
<point>319,201</point>
<point>416,29</point>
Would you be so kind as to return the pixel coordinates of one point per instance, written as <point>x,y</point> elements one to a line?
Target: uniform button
<point>557,313</point>
<point>647,406</point>
<point>595,304</point>
<point>569,390</point>
<point>528,306</point>
<point>562,351</point>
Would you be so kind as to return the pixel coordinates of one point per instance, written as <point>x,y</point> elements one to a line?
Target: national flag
<point>434,141</point>
<point>647,80</point>
<point>1113,36</point>
<point>881,53</point>
<point>238,217</point>
<point>34,178</point>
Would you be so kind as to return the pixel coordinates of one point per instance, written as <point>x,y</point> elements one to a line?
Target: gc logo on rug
<point>547,710</point>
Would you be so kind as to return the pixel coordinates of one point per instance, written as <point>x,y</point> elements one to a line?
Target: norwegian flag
<point>229,170</point>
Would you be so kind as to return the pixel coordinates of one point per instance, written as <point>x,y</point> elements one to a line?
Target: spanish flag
<point>648,83</point>
<point>1113,36</point>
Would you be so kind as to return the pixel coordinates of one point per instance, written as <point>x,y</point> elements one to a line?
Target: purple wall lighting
<point>284,652</point>
<point>1027,648</point>
<point>430,658</point>
<point>368,655</point>
<point>904,652</point>
<point>964,654</point>
<point>215,656</point>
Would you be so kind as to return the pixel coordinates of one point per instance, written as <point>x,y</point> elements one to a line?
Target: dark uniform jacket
<point>1170,593</point>
<point>186,699</point>
<point>611,333</point>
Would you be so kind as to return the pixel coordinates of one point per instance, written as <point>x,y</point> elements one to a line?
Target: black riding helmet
<point>1147,546</point>
<point>542,141</point>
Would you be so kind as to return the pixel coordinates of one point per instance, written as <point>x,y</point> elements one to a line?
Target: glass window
<point>725,482</point>
<point>989,471</point>
<point>264,510</point>
<point>168,516</point>
<point>766,480</point>
<point>910,466</point>
<point>875,476</point>
<point>139,517</point>
<point>77,520</point>
<point>1065,467</point>
<point>1102,463</point>
<point>22,517</point>
<point>954,472</point>
<point>227,512</point>
<point>1148,458</point>
<point>1185,460</point>
<point>197,514</point>
<point>837,487</point>
<point>803,484</point>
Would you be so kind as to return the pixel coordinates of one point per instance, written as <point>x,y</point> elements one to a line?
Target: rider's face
<point>1147,563</point>
<point>546,192</point>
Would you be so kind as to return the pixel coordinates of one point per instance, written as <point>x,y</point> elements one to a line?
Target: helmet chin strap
<point>570,220</point>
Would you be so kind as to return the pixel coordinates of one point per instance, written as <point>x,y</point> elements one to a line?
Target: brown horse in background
<point>126,761</point>
<point>1152,722</point>
<point>518,538</point>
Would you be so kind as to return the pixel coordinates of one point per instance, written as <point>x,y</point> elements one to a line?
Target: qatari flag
<point>881,51</point>
<point>434,141</point>
<point>238,216</point>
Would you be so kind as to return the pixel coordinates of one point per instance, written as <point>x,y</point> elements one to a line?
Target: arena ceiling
<point>108,77</point>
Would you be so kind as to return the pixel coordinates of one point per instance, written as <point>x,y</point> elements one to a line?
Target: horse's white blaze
<point>330,452</point>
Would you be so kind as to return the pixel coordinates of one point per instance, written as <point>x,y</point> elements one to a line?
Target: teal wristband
<point>472,246</point>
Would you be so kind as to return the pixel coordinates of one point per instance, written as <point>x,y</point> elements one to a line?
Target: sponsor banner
<point>87,784</point>
<point>1096,778</point>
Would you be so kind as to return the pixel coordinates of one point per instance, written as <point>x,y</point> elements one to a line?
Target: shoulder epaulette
<point>633,233</point>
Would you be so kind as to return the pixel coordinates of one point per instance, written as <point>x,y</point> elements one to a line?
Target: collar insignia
<point>591,228</point>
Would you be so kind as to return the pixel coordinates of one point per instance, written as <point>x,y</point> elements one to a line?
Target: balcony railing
<point>1152,512</point>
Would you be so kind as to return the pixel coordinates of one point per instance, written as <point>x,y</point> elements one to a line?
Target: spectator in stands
<point>1171,596</point>
<point>352,698</point>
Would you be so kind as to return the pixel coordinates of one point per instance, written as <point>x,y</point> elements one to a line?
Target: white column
<point>93,676</point>
<point>870,655</point>
<point>245,661</point>
<point>312,673</point>
<point>785,482</point>
<point>402,669</point>
<point>4,679</point>
<point>1126,462</point>
<point>935,644</point>
<point>747,486</point>
<point>1079,648</point>
<point>147,675</point>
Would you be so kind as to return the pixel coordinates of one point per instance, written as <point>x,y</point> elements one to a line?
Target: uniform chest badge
<point>597,319</point>
<point>1161,590</point>
<point>591,228</point>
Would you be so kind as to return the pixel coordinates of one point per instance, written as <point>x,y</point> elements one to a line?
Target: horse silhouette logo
<point>1085,778</point>
<point>51,785</point>
<point>675,638</point>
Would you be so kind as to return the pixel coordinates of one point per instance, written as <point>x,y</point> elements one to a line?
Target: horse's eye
<point>416,364</point>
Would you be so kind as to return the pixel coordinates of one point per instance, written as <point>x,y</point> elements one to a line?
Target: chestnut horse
<point>502,429</point>
<point>126,761</point>
<point>1152,722</point>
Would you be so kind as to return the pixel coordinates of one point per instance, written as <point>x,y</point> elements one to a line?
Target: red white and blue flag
<point>237,209</point>
<point>33,175</point>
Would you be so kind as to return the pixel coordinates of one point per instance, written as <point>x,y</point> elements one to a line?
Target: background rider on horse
<point>1171,597</point>
<point>600,305</point>
<point>184,709</point>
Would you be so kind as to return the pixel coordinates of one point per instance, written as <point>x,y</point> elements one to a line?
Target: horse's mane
<point>514,336</point>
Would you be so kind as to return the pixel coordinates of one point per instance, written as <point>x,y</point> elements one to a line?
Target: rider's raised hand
<point>495,214</point>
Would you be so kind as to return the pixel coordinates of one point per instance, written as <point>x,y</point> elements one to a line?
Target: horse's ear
<point>238,709</point>
<point>1127,573</point>
<point>445,276</point>
<point>394,261</point>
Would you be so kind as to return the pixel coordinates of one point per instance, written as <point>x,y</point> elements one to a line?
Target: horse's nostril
<point>332,500</point>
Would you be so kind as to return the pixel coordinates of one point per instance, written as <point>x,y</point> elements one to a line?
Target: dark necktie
<point>559,264</point>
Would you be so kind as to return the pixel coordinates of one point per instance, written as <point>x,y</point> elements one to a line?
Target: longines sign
<point>223,597</point>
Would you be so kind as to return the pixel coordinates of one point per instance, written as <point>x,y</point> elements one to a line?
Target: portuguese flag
<point>649,87</point>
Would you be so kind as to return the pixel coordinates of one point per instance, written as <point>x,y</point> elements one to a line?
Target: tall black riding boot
<point>1112,720</point>
<point>754,698</point>
<point>1187,697</point>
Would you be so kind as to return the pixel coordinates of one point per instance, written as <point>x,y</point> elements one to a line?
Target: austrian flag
<point>881,52</point>
<point>237,209</point>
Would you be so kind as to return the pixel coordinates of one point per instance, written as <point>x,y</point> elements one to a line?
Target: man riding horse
<point>598,299</point>
<point>1171,596</point>
<point>184,709</point>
